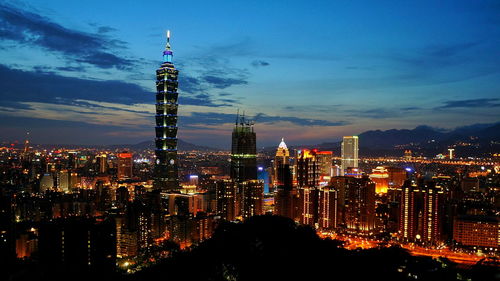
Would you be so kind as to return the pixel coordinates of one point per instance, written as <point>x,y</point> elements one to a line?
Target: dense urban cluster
<point>124,210</point>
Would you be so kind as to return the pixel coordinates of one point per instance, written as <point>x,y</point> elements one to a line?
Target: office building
<point>281,158</point>
<point>359,206</point>
<point>125,165</point>
<point>285,197</point>
<point>307,174</point>
<point>421,212</point>
<point>252,196</point>
<point>328,204</point>
<point>226,199</point>
<point>476,231</point>
<point>350,149</point>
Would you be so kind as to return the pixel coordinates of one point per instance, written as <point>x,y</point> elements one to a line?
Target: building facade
<point>125,165</point>
<point>243,151</point>
<point>350,149</point>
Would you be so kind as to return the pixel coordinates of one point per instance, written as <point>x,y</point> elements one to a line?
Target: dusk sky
<point>83,72</point>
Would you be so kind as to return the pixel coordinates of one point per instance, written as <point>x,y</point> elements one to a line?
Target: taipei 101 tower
<point>166,176</point>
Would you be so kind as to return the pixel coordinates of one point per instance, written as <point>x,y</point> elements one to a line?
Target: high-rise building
<point>282,158</point>
<point>125,165</point>
<point>166,169</point>
<point>421,212</point>
<point>46,183</point>
<point>325,162</point>
<point>243,151</point>
<point>252,195</point>
<point>226,199</point>
<point>307,168</point>
<point>285,197</point>
<point>327,213</point>
<point>307,174</point>
<point>102,163</point>
<point>63,180</point>
<point>359,210</point>
<point>408,215</point>
<point>433,214</point>
<point>249,191</point>
<point>350,149</point>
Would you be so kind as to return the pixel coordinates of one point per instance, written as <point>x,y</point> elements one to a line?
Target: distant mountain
<point>424,134</point>
<point>387,139</point>
<point>181,146</point>
<point>473,140</point>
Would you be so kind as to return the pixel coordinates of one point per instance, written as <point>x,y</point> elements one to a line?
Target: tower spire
<point>167,46</point>
<point>168,54</point>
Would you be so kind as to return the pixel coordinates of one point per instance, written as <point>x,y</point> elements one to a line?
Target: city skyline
<point>316,69</point>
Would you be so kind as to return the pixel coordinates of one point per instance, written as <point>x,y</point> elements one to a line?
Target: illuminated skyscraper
<point>433,214</point>
<point>307,170</point>
<point>349,152</point>
<point>243,151</point>
<point>421,212</point>
<point>124,165</point>
<point>285,197</point>
<point>359,208</point>
<point>166,170</point>
<point>226,199</point>
<point>102,163</point>
<point>328,203</point>
<point>252,195</point>
<point>408,214</point>
<point>282,158</point>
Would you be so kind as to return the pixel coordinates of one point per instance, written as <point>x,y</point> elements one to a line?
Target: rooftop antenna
<point>167,47</point>
<point>237,116</point>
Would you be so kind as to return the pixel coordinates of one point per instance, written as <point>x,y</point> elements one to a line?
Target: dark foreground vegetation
<point>275,248</point>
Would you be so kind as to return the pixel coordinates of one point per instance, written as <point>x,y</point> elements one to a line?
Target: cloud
<point>410,108</point>
<point>217,118</point>
<point>50,87</point>
<point>450,50</point>
<point>223,82</point>
<point>201,100</point>
<point>105,29</point>
<point>190,84</point>
<point>71,68</point>
<point>258,63</point>
<point>53,88</point>
<point>29,28</point>
<point>471,103</point>
<point>68,131</point>
<point>261,117</point>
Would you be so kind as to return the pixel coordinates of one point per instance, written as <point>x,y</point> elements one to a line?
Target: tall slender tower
<point>166,169</point>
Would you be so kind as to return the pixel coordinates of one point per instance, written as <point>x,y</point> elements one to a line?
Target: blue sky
<point>309,71</point>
